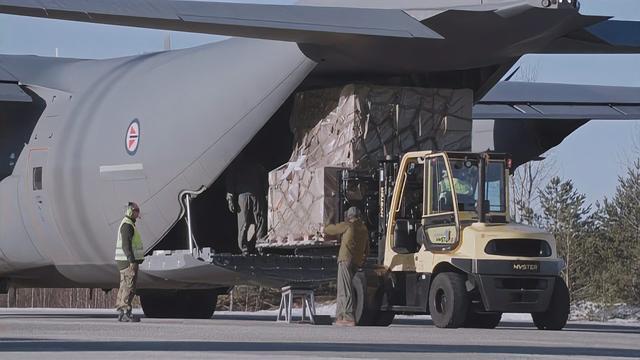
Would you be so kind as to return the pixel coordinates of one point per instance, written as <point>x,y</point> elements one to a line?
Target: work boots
<point>127,317</point>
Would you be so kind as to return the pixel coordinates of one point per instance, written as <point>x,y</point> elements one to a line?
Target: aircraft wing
<point>531,118</point>
<point>529,100</point>
<point>275,22</point>
<point>607,37</point>
<point>10,91</point>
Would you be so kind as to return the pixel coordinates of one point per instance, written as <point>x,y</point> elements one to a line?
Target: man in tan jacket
<point>354,248</point>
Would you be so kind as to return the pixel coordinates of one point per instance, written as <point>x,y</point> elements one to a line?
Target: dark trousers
<point>253,210</point>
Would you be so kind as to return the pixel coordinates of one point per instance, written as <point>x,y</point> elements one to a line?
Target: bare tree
<point>527,73</point>
<point>525,183</point>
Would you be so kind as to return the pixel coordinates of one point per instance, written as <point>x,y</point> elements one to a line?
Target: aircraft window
<point>495,193</point>
<point>37,178</point>
<point>413,192</point>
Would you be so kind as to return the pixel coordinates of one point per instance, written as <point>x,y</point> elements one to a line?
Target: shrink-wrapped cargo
<point>358,125</point>
<point>301,201</point>
<point>354,127</point>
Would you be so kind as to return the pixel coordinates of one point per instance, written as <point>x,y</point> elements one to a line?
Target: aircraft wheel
<point>556,316</point>
<point>182,304</point>
<point>448,300</point>
<point>199,304</point>
<point>482,321</point>
<point>159,304</point>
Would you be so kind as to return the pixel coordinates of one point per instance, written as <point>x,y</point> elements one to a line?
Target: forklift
<point>446,247</point>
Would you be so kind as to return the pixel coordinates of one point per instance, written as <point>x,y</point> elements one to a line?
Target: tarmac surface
<point>95,334</point>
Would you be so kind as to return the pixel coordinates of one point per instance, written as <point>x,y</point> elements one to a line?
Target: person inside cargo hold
<point>354,248</point>
<point>246,183</point>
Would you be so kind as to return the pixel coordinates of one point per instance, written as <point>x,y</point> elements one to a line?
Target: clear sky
<point>593,156</point>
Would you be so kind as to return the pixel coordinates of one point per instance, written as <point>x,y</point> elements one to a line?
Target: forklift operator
<point>464,189</point>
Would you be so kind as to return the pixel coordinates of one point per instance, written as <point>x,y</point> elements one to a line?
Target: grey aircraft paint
<point>80,142</point>
<point>198,108</point>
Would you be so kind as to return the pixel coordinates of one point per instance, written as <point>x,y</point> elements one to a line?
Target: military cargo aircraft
<point>81,138</point>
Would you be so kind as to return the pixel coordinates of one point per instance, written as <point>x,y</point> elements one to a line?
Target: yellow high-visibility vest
<point>136,243</point>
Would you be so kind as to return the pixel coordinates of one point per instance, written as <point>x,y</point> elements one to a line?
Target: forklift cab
<point>438,193</point>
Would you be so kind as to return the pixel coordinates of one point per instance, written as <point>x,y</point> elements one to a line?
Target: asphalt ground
<point>95,334</point>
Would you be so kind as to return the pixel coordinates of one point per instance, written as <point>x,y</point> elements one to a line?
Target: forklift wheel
<point>385,318</point>
<point>482,320</point>
<point>448,300</point>
<point>366,303</point>
<point>556,316</point>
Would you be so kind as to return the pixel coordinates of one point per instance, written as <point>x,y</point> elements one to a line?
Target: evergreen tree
<point>594,279</point>
<point>565,215</point>
<point>622,228</point>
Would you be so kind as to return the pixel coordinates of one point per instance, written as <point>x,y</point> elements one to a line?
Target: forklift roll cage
<point>440,228</point>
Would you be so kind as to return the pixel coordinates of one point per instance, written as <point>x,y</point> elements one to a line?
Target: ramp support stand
<point>286,304</point>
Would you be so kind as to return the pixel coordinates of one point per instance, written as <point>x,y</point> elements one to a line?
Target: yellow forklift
<point>446,247</point>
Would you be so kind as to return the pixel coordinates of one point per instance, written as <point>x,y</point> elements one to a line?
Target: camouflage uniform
<point>129,255</point>
<point>246,188</point>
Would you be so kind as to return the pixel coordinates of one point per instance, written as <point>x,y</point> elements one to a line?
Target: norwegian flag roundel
<point>132,138</point>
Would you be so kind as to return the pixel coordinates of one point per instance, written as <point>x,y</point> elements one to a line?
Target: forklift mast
<point>388,171</point>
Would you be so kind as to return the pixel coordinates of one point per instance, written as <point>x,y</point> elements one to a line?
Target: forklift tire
<point>367,301</point>
<point>556,316</point>
<point>363,304</point>
<point>385,318</point>
<point>448,300</point>
<point>482,320</point>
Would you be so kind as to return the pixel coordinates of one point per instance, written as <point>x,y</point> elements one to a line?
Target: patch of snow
<point>586,310</point>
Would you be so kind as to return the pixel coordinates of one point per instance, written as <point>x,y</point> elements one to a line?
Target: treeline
<point>600,243</point>
<point>240,298</point>
<point>59,298</point>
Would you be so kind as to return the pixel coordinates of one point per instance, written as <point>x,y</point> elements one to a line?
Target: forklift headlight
<point>545,249</point>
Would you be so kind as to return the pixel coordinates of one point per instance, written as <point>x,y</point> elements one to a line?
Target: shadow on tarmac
<point>573,327</point>
<point>44,315</point>
<point>214,346</point>
<point>504,325</point>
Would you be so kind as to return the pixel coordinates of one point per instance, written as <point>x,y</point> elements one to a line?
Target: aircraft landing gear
<point>179,304</point>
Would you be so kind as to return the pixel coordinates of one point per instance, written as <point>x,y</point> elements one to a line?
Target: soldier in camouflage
<point>129,255</point>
